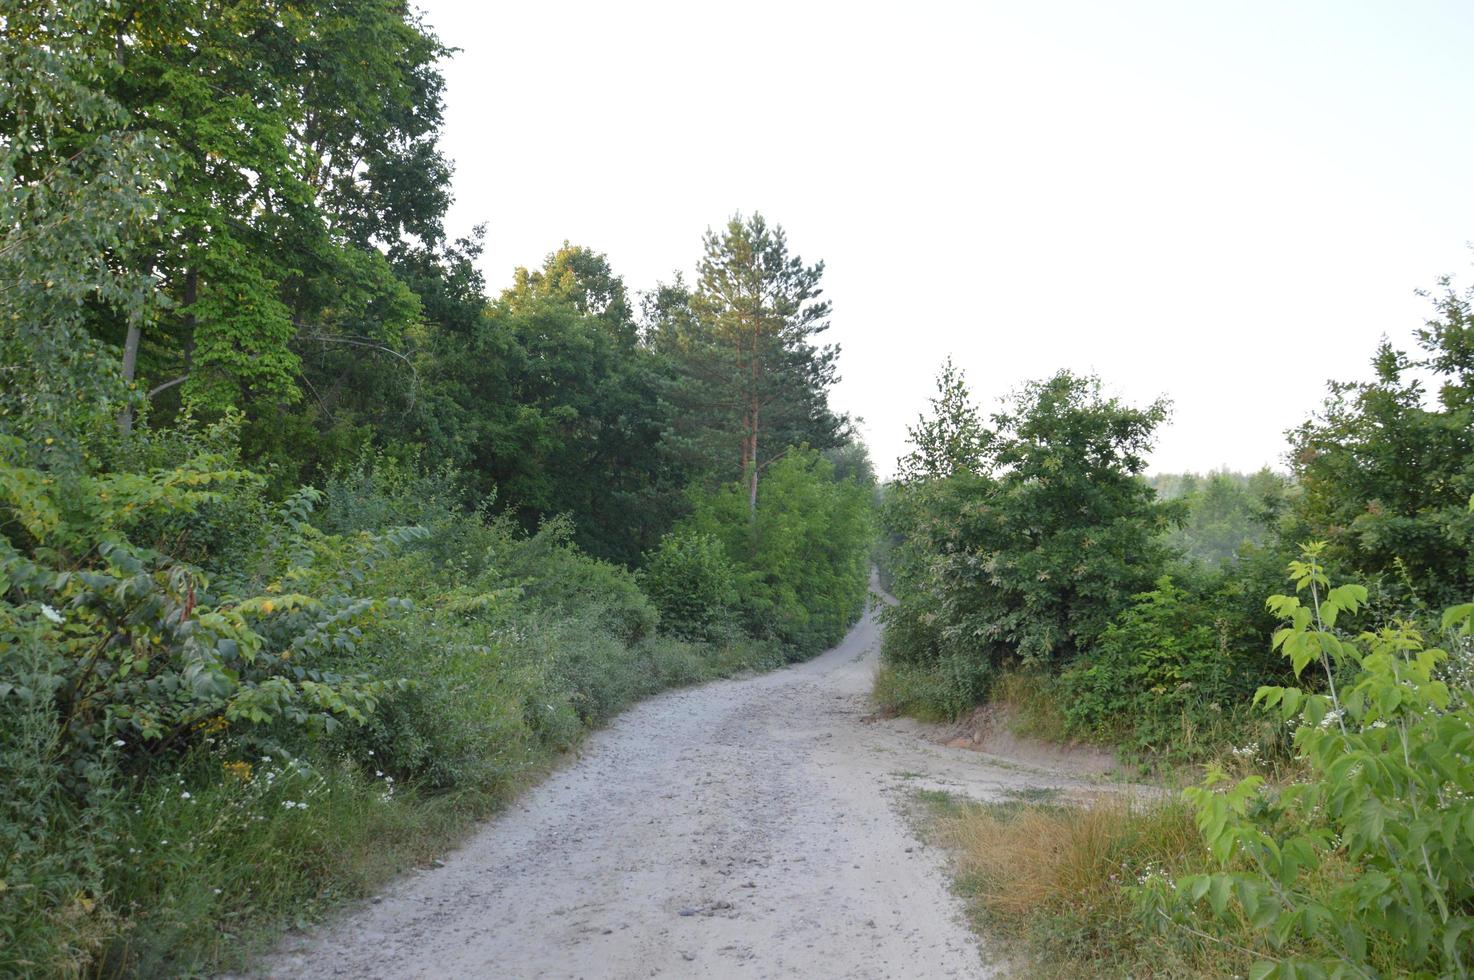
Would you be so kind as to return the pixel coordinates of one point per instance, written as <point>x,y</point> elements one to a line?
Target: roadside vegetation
<point>314,550</point>
<point>1306,640</point>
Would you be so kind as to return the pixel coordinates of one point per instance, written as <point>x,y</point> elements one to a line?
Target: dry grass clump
<point>1050,884</point>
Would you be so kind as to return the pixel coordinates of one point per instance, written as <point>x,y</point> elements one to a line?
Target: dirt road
<point>748,828</point>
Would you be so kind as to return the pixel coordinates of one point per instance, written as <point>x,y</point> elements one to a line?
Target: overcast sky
<point>1224,203</point>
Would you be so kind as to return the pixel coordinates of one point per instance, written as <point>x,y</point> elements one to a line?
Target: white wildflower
<point>50,613</point>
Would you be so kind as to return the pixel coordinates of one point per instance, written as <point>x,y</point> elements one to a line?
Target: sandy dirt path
<point>745,828</point>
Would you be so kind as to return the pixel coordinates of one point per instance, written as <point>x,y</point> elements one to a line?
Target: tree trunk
<point>752,471</point>
<point>130,369</point>
<point>131,344</point>
<point>746,444</point>
<point>753,406</point>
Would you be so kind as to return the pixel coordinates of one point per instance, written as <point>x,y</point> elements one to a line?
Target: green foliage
<point>952,438</point>
<point>582,277</point>
<point>75,196</point>
<point>943,690</point>
<point>751,380</point>
<point>555,407</point>
<point>802,559</point>
<point>300,141</point>
<point>1032,556</point>
<point>1388,465</point>
<point>1368,861</point>
<point>693,585</point>
<point>139,650</point>
<point>47,888</point>
<point>1226,512</point>
<point>516,644</point>
<point>1177,656</point>
<point>1160,658</point>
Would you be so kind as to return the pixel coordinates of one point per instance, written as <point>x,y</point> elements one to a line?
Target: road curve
<point>746,828</point>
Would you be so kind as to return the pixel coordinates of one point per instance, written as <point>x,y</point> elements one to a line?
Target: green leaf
<point>1219,891</point>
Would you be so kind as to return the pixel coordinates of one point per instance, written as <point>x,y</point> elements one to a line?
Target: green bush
<point>941,691</point>
<point>145,701</point>
<point>1369,859</point>
<point>558,578</point>
<point>117,661</point>
<point>1171,656</point>
<point>802,559</point>
<point>693,585</point>
<point>139,651</point>
<point>52,852</point>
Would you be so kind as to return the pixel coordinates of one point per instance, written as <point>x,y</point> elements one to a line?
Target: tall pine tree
<point>751,351</point>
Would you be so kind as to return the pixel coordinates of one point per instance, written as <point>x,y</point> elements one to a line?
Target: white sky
<point>1225,203</point>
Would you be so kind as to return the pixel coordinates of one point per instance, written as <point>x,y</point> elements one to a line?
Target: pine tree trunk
<point>752,472</point>
<point>753,406</point>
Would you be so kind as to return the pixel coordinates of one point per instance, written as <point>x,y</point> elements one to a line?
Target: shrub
<point>117,660</point>
<point>941,691</point>
<point>229,688</point>
<point>555,576</point>
<point>52,854</point>
<point>1370,859</point>
<point>693,585</point>
<point>138,650</point>
<point>1168,656</point>
<point>802,559</point>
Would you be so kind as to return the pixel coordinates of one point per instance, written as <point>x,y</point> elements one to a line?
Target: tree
<point>756,312</point>
<point>305,149</point>
<point>76,203</point>
<point>1387,466</point>
<point>1030,558</point>
<point>693,585</point>
<point>584,278</point>
<point>1226,511</point>
<point>549,401</point>
<point>952,438</point>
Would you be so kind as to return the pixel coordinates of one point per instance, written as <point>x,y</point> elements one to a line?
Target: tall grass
<point>1050,885</point>
<point>1069,890</point>
<point>1031,704</point>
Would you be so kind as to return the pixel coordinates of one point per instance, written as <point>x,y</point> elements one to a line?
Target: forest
<point>315,546</point>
